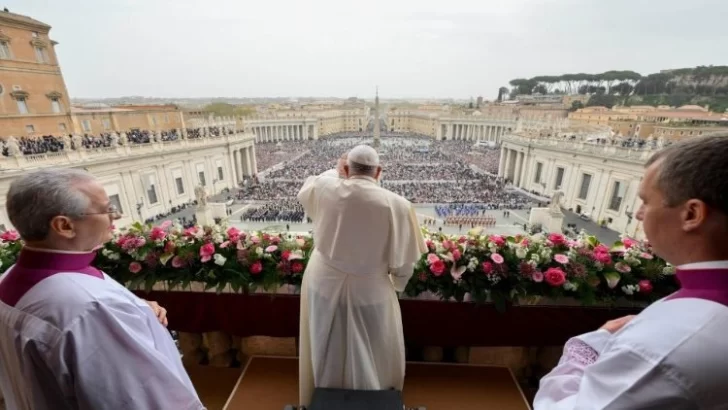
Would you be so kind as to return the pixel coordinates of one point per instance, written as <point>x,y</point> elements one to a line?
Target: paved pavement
<point>605,235</point>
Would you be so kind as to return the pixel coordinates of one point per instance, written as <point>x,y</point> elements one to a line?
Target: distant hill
<point>706,86</point>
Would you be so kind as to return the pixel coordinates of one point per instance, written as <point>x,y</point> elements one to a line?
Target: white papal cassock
<point>71,337</point>
<point>367,240</point>
<point>672,356</point>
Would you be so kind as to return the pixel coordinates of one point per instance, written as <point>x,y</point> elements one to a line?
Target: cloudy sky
<point>342,48</point>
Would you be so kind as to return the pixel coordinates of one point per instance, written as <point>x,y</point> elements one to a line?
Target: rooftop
<point>19,18</point>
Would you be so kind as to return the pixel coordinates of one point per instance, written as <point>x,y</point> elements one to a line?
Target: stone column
<point>509,161</point>
<point>253,161</point>
<point>452,134</point>
<point>519,165</point>
<point>526,163</point>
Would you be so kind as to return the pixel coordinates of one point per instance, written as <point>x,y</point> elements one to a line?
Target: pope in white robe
<point>367,241</point>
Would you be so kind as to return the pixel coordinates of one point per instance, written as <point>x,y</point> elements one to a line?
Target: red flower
<point>555,277</point>
<point>169,247</point>
<point>645,286</point>
<point>487,267</point>
<point>437,267</point>
<point>10,236</point>
<point>285,255</point>
<point>430,245</point>
<point>296,267</point>
<point>135,267</point>
<point>256,268</point>
<point>462,239</point>
<point>275,240</point>
<point>497,240</point>
<point>266,237</point>
<point>456,255</point>
<point>557,239</point>
<point>157,234</point>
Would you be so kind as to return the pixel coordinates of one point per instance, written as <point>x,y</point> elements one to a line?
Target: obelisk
<point>376,120</point>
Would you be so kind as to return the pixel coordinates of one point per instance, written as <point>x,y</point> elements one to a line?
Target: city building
<point>33,96</point>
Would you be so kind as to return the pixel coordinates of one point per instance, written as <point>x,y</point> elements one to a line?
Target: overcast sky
<point>343,48</point>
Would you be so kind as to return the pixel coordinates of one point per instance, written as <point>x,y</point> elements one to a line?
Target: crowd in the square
<point>288,210</point>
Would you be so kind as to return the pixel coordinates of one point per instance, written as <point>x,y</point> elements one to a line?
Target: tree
<point>229,110</point>
<point>540,89</point>
<point>523,86</point>
<point>470,105</point>
<point>576,105</point>
<point>602,100</point>
<point>502,92</point>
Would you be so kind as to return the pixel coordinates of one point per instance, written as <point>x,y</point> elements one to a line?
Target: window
<point>559,178</point>
<point>56,105</point>
<point>151,189</point>
<point>86,124</point>
<point>40,55</point>
<point>29,129</point>
<point>62,126</point>
<point>219,173</point>
<point>201,177</point>
<point>106,123</point>
<point>180,185</point>
<point>22,105</point>
<point>4,50</point>
<point>585,183</point>
<point>116,202</point>
<point>154,121</point>
<point>618,190</point>
<point>539,169</point>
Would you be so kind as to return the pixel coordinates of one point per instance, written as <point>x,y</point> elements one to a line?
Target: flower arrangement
<point>475,266</point>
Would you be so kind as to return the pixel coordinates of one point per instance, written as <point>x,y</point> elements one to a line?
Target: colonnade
<point>284,132</point>
<point>512,165</point>
<point>473,132</point>
<point>244,163</point>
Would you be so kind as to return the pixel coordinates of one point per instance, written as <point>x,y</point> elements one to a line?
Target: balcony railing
<point>636,155</point>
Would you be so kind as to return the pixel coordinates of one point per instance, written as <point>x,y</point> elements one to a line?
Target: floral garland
<point>475,266</point>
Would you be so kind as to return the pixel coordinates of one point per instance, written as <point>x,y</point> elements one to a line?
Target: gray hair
<point>37,197</point>
<point>695,169</point>
<point>356,168</point>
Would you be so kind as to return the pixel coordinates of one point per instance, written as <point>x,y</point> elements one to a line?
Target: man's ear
<point>63,226</point>
<point>346,170</point>
<point>379,173</point>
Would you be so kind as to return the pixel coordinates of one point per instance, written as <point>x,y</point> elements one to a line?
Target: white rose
<point>521,252</point>
<point>219,259</point>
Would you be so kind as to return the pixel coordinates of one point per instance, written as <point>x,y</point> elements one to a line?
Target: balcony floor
<point>271,383</point>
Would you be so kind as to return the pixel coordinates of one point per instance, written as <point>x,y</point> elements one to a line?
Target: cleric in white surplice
<point>367,241</point>
<point>674,354</point>
<point>70,336</point>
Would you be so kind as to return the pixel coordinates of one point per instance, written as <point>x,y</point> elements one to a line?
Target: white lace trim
<point>577,351</point>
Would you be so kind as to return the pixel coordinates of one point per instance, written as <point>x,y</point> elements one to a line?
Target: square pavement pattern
<point>272,383</point>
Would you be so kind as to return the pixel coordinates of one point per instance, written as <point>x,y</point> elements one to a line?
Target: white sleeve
<point>618,378</point>
<point>306,196</point>
<point>400,276</point>
<point>113,364</point>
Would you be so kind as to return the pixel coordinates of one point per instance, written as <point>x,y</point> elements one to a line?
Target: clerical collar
<point>35,258</point>
<point>34,265</point>
<point>703,280</point>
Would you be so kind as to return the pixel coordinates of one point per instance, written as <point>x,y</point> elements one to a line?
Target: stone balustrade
<point>89,156</point>
<point>608,151</point>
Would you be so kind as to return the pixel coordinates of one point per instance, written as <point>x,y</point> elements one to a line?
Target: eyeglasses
<point>113,210</point>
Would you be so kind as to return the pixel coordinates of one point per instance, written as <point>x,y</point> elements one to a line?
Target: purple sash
<point>33,266</point>
<point>708,284</point>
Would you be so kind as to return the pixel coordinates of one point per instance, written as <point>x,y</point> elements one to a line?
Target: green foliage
<point>576,105</point>
<point>229,110</point>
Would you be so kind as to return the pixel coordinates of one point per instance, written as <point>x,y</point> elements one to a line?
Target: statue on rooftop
<point>12,146</point>
<point>201,196</point>
<point>555,205</point>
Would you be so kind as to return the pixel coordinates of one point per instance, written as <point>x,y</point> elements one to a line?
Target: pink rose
<point>537,276</point>
<point>256,268</point>
<point>487,267</point>
<point>169,247</point>
<point>496,258</point>
<point>628,242</point>
<point>562,259</point>
<point>432,258</point>
<point>285,255</point>
<point>190,231</point>
<point>645,286</point>
<point>275,240</point>
<point>266,237</point>
<point>601,249</point>
<point>525,242</point>
<point>557,239</point>
<point>497,240</point>
<point>178,262</point>
<point>462,239</point>
<point>437,267</point>
<point>645,255</point>
<point>206,251</point>
<point>555,277</point>
<point>10,236</point>
<point>165,224</point>
<point>430,245</point>
<point>602,257</point>
<point>622,267</point>
<point>447,244</point>
<point>456,255</point>
<point>135,267</point>
<point>225,244</point>
<point>255,239</point>
<point>271,249</point>
<point>296,267</point>
<point>233,234</point>
<point>157,234</point>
